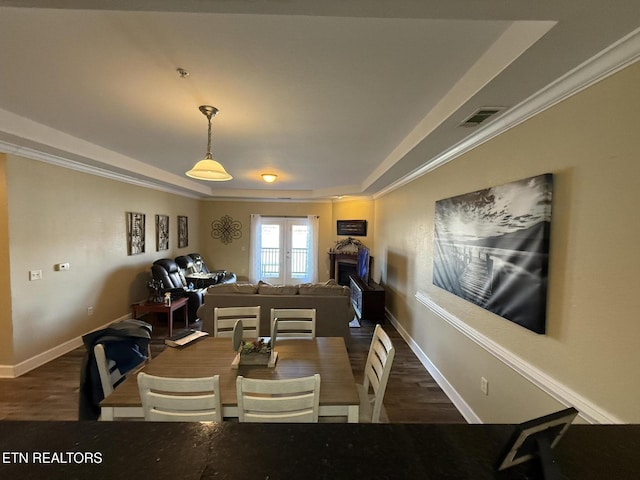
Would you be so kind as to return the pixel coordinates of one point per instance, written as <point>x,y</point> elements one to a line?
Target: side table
<point>152,307</point>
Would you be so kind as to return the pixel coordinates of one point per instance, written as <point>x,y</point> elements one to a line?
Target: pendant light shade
<point>207,168</point>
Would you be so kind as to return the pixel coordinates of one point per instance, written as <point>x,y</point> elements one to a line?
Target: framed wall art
<point>162,232</point>
<point>135,233</point>
<point>352,228</point>
<point>491,247</point>
<point>183,231</point>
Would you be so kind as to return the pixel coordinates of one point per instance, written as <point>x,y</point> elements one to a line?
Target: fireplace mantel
<point>337,257</point>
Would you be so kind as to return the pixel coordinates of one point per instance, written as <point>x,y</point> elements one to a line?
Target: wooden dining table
<point>214,356</point>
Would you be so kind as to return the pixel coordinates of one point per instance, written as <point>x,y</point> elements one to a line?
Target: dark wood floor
<point>50,392</point>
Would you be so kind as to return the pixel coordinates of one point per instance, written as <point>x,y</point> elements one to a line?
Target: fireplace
<point>342,266</point>
<point>344,271</point>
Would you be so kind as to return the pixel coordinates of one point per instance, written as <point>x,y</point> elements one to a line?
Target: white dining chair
<point>109,373</point>
<point>295,400</point>
<point>376,375</point>
<point>224,319</point>
<point>293,322</point>
<point>166,399</point>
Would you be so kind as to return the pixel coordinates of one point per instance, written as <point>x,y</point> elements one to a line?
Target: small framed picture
<point>183,231</point>
<point>135,233</point>
<point>535,439</point>
<point>352,228</point>
<point>162,232</point>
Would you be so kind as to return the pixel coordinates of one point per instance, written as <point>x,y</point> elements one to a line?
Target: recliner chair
<point>173,280</point>
<point>195,277</point>
<point>200,266</point>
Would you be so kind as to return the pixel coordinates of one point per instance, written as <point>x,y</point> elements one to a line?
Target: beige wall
<point>590,143</point>
<point>358,209</point>
<point>57,215</point>
<point>51,215</point>
<point>235,255</point>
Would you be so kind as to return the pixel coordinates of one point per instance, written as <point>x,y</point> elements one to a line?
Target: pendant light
<point>208,168</point>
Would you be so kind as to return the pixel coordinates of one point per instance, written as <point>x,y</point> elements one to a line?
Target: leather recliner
<point>167,271</point>
<point>193,276</point>
<point>200,266</point>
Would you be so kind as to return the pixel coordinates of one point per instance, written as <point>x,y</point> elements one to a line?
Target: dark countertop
<point>140,450</point>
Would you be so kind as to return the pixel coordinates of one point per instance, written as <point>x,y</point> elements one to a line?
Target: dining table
<point>209,356</point>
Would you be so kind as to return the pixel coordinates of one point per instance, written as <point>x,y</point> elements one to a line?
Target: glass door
<point>284,250</point>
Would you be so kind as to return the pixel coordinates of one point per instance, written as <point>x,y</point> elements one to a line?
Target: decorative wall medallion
<point>226,229</point>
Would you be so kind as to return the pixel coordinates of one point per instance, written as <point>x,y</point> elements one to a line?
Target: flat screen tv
<point>364,264</point>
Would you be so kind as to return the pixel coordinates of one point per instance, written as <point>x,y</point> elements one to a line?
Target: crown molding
<point>614,58</point>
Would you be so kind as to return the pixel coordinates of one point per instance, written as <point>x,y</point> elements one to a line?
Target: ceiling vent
<point>481,115</point>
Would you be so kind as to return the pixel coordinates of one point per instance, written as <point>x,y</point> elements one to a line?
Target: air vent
<point>481,115</point>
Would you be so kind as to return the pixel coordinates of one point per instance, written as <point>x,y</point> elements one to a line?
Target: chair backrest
<point>377,369</point>
<point>169,273</point>
<point>294,322</point>
<point>199,263</point>
<point>167,399</point>
<point>109,373</point>
<point>278,401</point>
<point>224,319</point>
<point>186,265</point>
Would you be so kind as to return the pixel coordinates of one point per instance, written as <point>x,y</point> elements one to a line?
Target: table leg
<point>185,309</point>
<point>170,321</point>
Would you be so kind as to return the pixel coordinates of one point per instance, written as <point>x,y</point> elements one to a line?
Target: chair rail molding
<point>589,411</point>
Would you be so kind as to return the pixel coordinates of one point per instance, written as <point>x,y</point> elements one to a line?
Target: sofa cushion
<point>268,289</point>
<point>242,288</point>
<point>329,288</point>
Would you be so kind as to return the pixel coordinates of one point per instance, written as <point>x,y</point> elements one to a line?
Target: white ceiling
<point>337,98</point>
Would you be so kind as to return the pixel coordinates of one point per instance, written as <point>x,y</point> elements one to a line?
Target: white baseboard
<point>457,400</point>
<point>589,411</point>
<point>13,371</point>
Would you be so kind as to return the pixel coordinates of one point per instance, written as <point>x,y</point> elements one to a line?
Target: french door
<point>285,245</point>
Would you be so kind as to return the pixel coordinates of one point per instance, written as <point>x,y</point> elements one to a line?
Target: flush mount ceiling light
<point>208,169</point>
<point>269,177</point>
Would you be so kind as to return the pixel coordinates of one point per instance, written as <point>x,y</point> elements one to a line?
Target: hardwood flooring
<point>50,392</point>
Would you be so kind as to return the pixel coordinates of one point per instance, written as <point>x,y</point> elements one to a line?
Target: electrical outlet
<point>63,266</point>
<point>89,310</point>
<point>35,275</point>
<point>484,385</point>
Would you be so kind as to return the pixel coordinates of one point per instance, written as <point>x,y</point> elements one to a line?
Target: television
<point>364,264</point>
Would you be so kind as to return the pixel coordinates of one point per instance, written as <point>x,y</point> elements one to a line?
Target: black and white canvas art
<point>491,247</point>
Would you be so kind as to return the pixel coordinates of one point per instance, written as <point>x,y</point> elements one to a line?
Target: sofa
<point>331,301</point>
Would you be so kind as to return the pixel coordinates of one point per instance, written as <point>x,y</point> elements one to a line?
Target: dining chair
<point>376,375</point>
<point>109,373</point>
<point>224,319</point>
<point>166,399</point>
<point>293,322</point>
<point>295,400</point>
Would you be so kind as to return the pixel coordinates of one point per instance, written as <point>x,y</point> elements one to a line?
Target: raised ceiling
<point>335,97</point>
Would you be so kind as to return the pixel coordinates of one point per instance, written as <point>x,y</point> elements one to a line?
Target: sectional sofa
<point>331,301</point>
